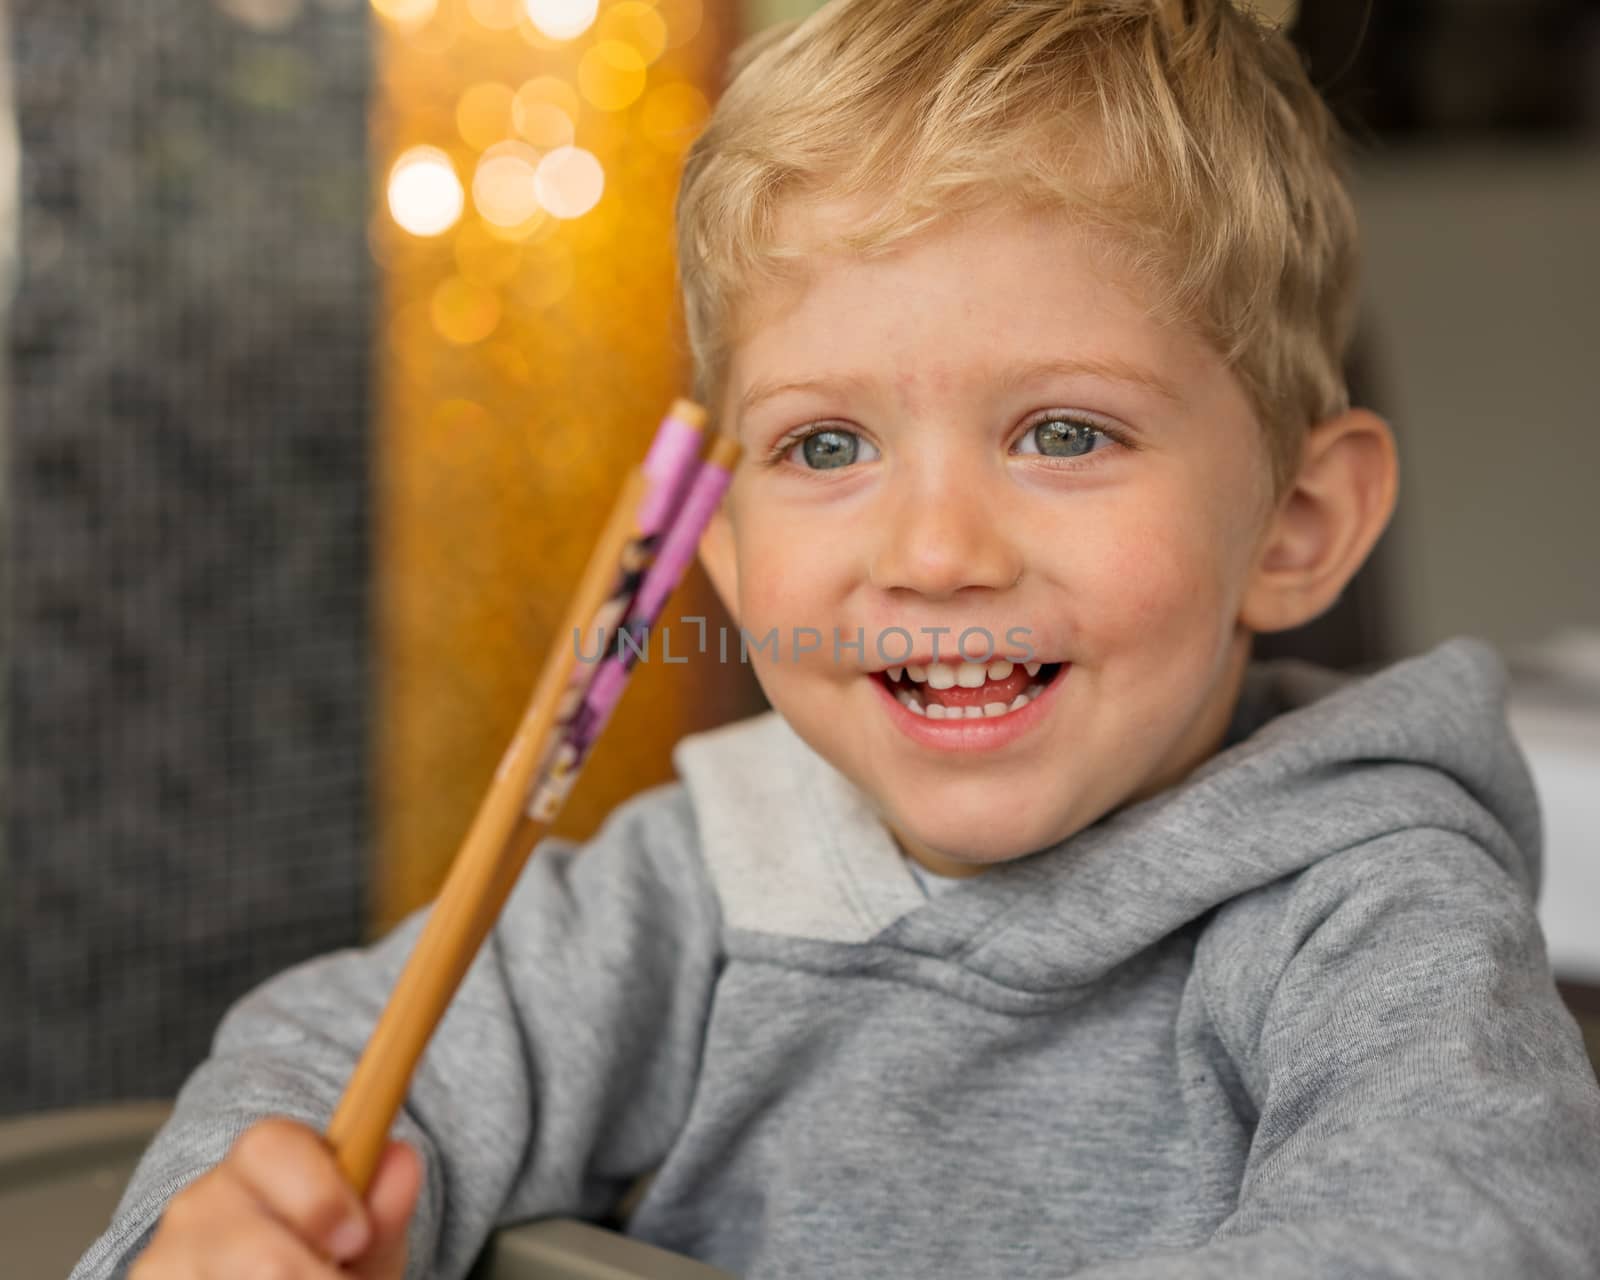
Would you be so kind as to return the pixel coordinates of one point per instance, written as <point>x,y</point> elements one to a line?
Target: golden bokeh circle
<point>636,24</point>
<point>503,186</point>
<point>423,192</point>
<point>496,15</point>
<point>464,312</point>
<point>405,13</point>
<point>611,75</point>
<point>483,115</point>
<point>545,112</point>
<point>683,18</point>
<point>561,20</point>
<point>551,89</point>
<point>569,181</point>
<point>545,125</point>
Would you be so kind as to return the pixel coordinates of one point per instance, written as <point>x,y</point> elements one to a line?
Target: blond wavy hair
<point>1185,131</point>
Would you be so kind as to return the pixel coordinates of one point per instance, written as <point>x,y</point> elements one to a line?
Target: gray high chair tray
<point>62,1173</point>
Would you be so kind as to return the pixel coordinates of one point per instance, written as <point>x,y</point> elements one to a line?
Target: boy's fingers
<point>292,1171</point>
<point>390,1200</point>
<point>220,1229</point>
<point>271,1248</point>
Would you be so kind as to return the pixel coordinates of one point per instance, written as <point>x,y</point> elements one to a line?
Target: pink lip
<point>967,736</point>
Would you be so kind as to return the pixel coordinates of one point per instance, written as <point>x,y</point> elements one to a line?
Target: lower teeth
<point>988,711</point>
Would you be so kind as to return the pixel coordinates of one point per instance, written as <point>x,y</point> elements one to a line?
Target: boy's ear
<point>720,562</point>
<point>1326,524</point>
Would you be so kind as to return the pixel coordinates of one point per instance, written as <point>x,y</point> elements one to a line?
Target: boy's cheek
<point>1144,589</point>
<point>785,579</point>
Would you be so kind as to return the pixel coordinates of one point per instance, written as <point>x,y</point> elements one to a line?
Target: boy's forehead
<point>812,235</point>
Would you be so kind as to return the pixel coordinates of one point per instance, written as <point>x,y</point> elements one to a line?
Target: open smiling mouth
<point>968,690</point>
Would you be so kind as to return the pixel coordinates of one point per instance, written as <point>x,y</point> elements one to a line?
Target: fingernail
<point>349,1239</point>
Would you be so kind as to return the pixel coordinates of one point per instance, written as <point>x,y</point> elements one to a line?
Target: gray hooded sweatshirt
<point>1291,1017</point>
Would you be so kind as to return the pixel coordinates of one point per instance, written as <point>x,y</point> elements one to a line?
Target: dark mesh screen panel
<point>187,526</point>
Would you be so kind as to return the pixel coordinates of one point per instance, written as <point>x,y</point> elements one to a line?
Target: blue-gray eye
<point>830,448</point>
<point>1063,438</point>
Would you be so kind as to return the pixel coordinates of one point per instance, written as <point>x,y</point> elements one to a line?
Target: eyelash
<point>787,443</point>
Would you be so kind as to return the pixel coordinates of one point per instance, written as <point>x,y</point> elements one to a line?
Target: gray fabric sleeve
<point>562,1070</point>
<point>1424,1104</point>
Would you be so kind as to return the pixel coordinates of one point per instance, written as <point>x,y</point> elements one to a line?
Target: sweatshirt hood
<point>1314,761</point>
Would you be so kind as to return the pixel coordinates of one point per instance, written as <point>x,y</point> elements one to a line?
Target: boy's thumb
<point>390,1200</point>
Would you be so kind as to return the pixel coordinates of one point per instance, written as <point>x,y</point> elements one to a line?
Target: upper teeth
<point>969,675</point>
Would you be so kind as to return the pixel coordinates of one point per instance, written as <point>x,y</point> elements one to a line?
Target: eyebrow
<point>1108,367</point>
<point>763,391</point>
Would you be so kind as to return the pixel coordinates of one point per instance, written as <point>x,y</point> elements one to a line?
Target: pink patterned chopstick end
<point>605,690</point>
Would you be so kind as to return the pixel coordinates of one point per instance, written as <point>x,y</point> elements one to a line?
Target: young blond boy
<point>1137,962</point>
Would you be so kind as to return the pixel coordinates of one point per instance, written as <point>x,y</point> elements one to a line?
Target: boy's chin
<point>967,849</point>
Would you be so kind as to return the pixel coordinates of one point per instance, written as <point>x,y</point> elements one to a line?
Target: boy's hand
<point>278,1206</point>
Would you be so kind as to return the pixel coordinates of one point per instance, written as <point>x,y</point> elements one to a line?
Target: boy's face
<point>1106,513</point>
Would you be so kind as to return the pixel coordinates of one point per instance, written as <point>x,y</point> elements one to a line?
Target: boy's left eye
<point>1063,438</point>
<point>831,448</point>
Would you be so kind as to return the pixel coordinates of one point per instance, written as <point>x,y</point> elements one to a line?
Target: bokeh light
<point>545,112</point>
<point>263,15</point>
<point>636,24</point>
<point>496,15</point>
<point>562,19</point>
<point>503,188</point>
<point>683,19</point>
<point>545,125</point>
<point>504,422</point>
<point>464,311</point>
<point>611,75</point>
<point>425,196</point>
<point>569,182</point>
<point>483,115</point>
<point>406,13</point>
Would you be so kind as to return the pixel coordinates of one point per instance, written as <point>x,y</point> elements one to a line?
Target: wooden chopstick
<point>503,834</point>
<point>479,881</point>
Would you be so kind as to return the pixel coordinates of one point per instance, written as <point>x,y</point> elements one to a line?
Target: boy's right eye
<point>831,448</point>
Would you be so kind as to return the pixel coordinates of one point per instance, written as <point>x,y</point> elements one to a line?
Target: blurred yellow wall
<point>525,362</point>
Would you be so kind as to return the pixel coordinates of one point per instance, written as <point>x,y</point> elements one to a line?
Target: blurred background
<point>331,326</point>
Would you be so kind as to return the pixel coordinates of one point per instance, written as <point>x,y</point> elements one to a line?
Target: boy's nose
<point>936,541</point>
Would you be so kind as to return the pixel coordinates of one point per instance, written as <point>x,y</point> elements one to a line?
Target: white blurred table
<point>1562,741</point>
